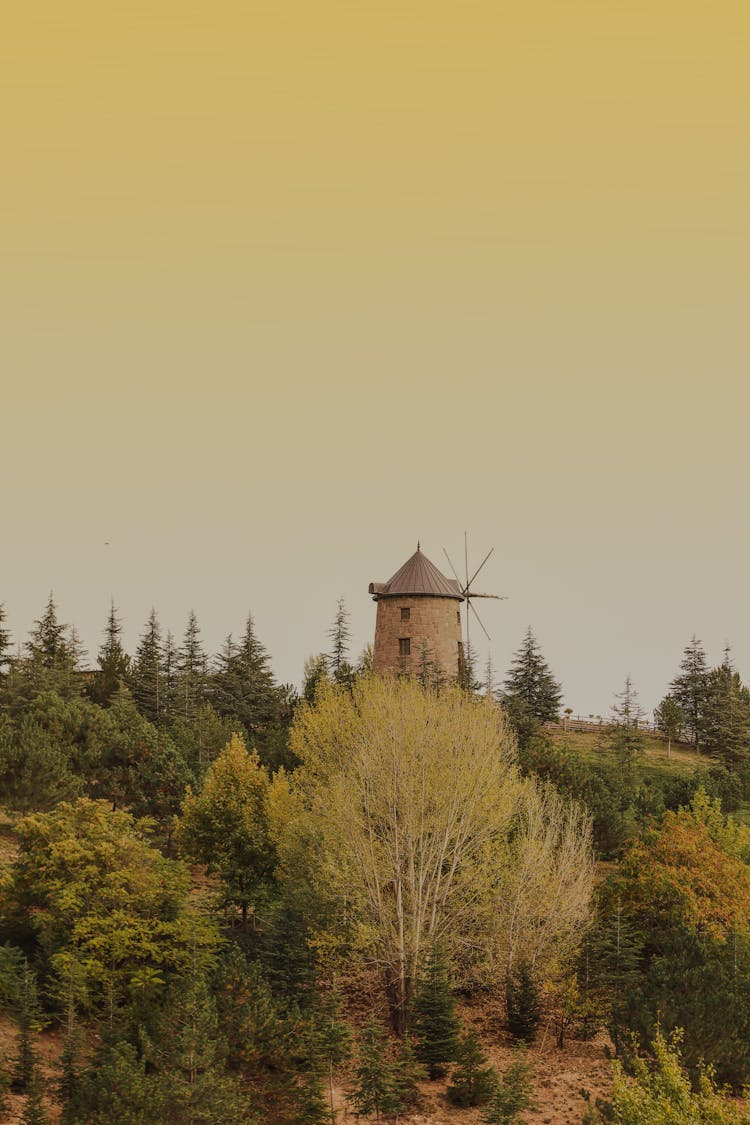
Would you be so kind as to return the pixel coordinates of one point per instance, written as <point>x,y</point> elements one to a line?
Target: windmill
<point>468,593</point>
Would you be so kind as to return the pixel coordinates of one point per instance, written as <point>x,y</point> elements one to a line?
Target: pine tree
<point>340,635</point>
<point>435,1024</point>
<point>332,1040</point>
<point>113,661</point>
<point>191,668</point>
<point>512,1094</point>
<point>530,680</point>
<point>690,689</point>
<point>374,1089</point>
<point>625,737</point>
<point>50,660</point>
<point>5,643</point>
<point>146,676</point>
<point>614,967</point>
<point>29,1026</point>
<point>34,1112</point>
<point>243,686</point>
<point>170,659</point>
<point>726,723</point>
<point>473,1080</point>
<point>523,1003</point>
<point>407,1074</point>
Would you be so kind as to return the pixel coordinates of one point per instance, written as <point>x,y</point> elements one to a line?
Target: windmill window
<point>405,614</point>
<point>458,616</point>
<point>404,646</point>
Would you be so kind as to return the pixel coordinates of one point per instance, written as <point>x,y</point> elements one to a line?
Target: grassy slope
<point>655,763</point>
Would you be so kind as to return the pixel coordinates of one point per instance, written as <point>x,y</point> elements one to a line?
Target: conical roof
<point>418,577</point>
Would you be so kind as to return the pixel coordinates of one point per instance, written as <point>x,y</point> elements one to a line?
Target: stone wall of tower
<point>436,621</point>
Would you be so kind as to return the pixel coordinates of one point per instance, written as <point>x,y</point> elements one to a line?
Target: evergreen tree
<point>29,1025</point>
<point>5,644</point>
<point>339,635</point>
<point>435,1024</point>
<point>523,1003</point>
<point>726,725</point>
<point>374,1088</point>
<point>614,967</point>
<point>315,673</point>
<point>332,1040</point>
<point>467,673</point>
<point>50,660</point>
<point>625,735</point>
<point>170,666</point>
<point>191,669</point>
<point>690,689</point>
<point>113,661</point>
<point>512,1094</point>
<point>146,675</point>
<point>428,669</point>
<point>243,686</point>
<point>530,680</point>
<point>34,1112</point>
<point>407,1074</point>
<point>473,1080</point>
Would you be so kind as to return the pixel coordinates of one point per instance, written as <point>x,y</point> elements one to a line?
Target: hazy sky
<point>286,286</point>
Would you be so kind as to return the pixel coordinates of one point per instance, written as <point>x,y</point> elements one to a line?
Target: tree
<point>113,661</point>
<point>406,788</point>
<point>191,670</point>
<point>523,1003</point>
<point>434,1022</point>
<point>332,1041</point>
<point>170,703</point>
<point>726,721</point>
<point>339,635</point>
<point>374,1087</point>
<point>50,659</point>
<point>146,676</point>
<point>243,686</point>
<point>689,688</point>
<point>225,826</point>
<point>670,720</point>
<point>473,1080</point>
<point>35,767</point>
<point>530,680</point>
<point>88,886</point>
<point>660,1092</point>
<point>29,1025</point>
<point>512,1094</point>
<point>4,643</point>
<point>627,720</point>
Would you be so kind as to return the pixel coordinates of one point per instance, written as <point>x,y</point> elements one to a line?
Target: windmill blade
<point>460,586</point>
<point>479,619</point>
<point>499,597</point>
<point>476,572</point>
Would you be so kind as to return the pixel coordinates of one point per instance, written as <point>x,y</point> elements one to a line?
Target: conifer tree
<point>726,723</point>
<point>407,1074</point>
<point>34,1112</point>
<point>29,1026</point>
<point>435,1024</point>
<point>243,686</point>
<point>690,689</point>
<point>191,668</point>
<point>50,660</point>
<point>339,635</point>
<point>669,719</point>
<point>5,643</point>
<point>113,661</point>
<point>530,681</point>
<point>625,736</point>
<point>523,1003</point>
<point>374,1088</point>
<point>512,1094</point>
<point>332,1040</point>
<point>473,1080</point>
<point>146,676</point>
<point>169,703</point>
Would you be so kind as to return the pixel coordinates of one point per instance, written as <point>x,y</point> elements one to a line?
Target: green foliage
<point>88,887</point>
<point>374,1090</point>
<point>243,687</point>
<point>29,1018</point>
<point>434,1022</point>
<point>669,718</point>
<point>192,672</point>
<point>726,720</point>
<point>113,661</point>
<point>690,689</point>
<point>512,1094</point>
<point>473,1081</point>
<point>226,826</point>
<point>146,674</point>
<point>531,682</point>
<point>339,635</point>
<point>523,1003</point>
<point>34,1112</point>
<point>661,1093</point>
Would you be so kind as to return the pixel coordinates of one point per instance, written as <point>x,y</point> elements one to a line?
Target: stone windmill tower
<point>418,613</point>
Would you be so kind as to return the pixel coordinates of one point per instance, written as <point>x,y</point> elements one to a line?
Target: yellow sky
<point>285,286</point>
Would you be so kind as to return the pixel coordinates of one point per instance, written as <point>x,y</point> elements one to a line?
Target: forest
<point>226,900</point>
